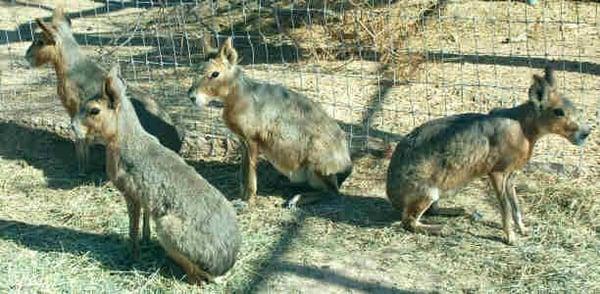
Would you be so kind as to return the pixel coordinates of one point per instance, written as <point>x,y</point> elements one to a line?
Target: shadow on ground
<point>55,157</point>
<point>358,210</point>
<point>331,277</point>
<point>274,264</point>
<point>111,250</point>
<point>51,153</point>
<point>225,176</point>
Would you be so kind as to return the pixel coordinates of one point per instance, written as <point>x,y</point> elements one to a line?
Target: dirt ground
<point>380,68</point>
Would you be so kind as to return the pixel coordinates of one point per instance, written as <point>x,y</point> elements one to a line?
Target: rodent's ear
<point>539,92</point>
<point>227,52</point>
<point>549,76</point>
<point>114,87</point>
<point>47,30</point>
<point>59,17</point>
<point>207,45</point>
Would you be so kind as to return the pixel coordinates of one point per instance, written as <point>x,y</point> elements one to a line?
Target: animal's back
<point>300,129</point>
<point>157,121</point>
<point>191,215</point>
<point>446,153</point>
<point>87,76</point>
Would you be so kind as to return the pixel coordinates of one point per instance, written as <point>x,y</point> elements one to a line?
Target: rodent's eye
<point>559,112</point>
<point>94,111</point>
<point>214,74</point>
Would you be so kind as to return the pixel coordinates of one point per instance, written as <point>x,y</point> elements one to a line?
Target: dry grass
<point>64,232</point>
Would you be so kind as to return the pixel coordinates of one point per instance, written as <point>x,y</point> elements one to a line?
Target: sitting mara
<point>194,222</point>
<point>294,133</point>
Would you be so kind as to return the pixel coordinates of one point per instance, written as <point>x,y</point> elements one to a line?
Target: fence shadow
<point>331,277</point>
<point>167,49</point>
<point>518,61</point>
<point>273,264</point>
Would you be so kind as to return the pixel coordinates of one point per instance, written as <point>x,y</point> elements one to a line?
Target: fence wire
<point>378,67</point>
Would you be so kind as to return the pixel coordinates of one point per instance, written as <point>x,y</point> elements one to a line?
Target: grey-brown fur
<point>80,78</point>
<point>443,155</point>
<point>194,222</point>
<point>294,133</point>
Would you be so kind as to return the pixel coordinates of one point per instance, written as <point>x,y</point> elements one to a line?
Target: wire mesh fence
<point>378,67</point>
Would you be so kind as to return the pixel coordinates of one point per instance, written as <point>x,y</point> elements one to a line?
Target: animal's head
<point>216,77</point>
<point>54,35</point>
<point>98,117</point>
<point>555,113</point>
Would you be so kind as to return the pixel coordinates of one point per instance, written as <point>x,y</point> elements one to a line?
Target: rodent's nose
<point>585,134</point>
<point>192,96</point>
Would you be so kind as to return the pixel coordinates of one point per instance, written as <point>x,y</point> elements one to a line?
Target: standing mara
<point>445,154</point>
